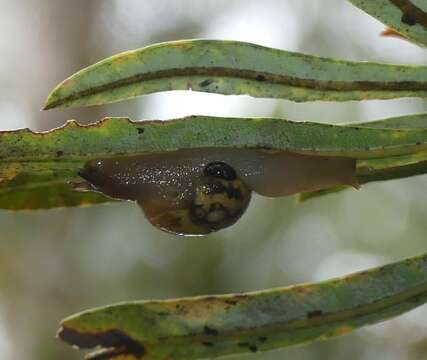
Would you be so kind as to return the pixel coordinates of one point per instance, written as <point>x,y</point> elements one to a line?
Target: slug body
<point>195,192</point>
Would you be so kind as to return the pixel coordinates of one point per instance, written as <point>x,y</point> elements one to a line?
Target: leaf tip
<point>51,102</point>
<point>46,106</point>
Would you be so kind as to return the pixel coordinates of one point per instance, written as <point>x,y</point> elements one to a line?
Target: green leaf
<point>407,17</point>
<point>32,163</point>
<point>208,327</point>
<point>373,170</point>
<point>413,121</point>
<point>231,67</point>
<point>387,168</point>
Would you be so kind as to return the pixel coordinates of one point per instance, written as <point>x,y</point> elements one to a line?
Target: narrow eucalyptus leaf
<point>32,163</point>
<point>407,17</point>
<point>232,67</point>
<point>213,326</point>
<point>387,168</point>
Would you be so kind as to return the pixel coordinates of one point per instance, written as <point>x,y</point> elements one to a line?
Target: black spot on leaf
<point>253,348</point>
<point>206,82</point>
<point>243,344</point>
<point>231,302</point>
<point>210,331</point>
<point>314,313</point>
<point>409,19</point>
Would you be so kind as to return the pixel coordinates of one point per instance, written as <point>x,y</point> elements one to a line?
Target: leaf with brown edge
<point>407,18</point>
<point>214,326</point>
<point>40,170</point>
<point>233,68</point>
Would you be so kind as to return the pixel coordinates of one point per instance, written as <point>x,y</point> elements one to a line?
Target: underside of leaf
<point>387,168</point>
<point>35,163</point>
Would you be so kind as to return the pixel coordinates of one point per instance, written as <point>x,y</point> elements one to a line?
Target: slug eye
<point>220,170</point>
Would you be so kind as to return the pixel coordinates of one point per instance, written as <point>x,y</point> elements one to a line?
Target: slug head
<point>180,195</point>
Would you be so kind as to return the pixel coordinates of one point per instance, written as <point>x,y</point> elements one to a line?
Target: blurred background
<point>55,263</point>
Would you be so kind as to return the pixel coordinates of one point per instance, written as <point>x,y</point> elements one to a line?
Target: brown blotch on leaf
<point>206,82</point>
<point>240,296</point>
<point>253,348</point>
<point>303,290</point>
<point>412,14</point>
<point>181,309</point>
<point>231,302</point>
<point>115,341</point>
<point>409,19</point>
<point>315,313</point>
<point>243,344</point>
<point>210,331</point>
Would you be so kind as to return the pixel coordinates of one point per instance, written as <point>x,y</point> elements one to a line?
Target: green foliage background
<point>55,263</point>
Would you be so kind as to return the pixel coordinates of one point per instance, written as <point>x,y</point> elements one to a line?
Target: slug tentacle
<point>198,191</point>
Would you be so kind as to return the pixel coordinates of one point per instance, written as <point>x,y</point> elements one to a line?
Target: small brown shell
<point>218,201</point>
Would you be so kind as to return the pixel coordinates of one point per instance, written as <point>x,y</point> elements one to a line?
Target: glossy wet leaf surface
<point>36,164</point>
<point>232,67</point>
<point>207,327</point>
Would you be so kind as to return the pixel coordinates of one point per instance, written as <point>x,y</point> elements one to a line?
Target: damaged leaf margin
<point>33,163</point>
